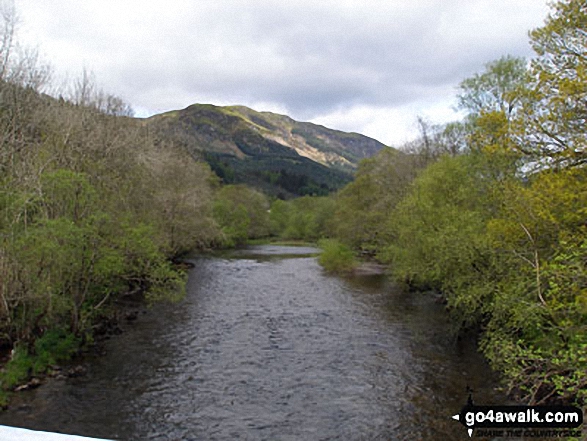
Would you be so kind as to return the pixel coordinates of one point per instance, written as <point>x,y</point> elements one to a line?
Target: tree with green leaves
<point>242,213</point>
<point>496,89</point>
<point>536,333</point>
<point>552,124</point>
<point>439,235</point>
<point>305,218</point>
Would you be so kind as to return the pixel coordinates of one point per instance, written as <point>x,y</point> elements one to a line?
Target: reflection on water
<point>267,346</point>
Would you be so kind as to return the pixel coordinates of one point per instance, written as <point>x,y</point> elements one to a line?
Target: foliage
<point>242,213</point>
<point>92,208</point>
<point>539,322</point>
<point>363,206</point>
<point>497,224</point>
<point>558,83</point>
<point>17,370</point>
<point>496,89</point>
<point>185,203</point>
<point>53,347</point>
<point>381,182</point>
<point>306,218</point>
<point>283,177</point>
<point>336,257</point>
<point>439,240</point>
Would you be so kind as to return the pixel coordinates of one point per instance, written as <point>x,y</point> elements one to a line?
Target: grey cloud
<point>308,56</point>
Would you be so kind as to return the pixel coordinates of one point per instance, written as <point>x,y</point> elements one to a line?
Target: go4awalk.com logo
<point>521,421</point>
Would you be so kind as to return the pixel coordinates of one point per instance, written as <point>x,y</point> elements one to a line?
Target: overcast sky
<point>364,66</point>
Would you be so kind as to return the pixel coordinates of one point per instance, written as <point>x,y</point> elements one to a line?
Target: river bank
<point>70,359</point>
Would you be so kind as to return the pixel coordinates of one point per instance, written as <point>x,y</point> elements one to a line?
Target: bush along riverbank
<point>59,353</point>
<point>336,257</point>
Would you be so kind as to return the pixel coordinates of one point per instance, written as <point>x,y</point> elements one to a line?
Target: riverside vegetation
<point>92,208</point>
<point>490,211</point>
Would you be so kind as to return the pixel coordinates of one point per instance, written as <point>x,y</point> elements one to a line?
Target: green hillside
<point>271,152</point>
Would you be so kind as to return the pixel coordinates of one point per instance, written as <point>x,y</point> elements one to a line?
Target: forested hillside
<point>271,152</point>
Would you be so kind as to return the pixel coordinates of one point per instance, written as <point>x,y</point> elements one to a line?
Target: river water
<point>266,346</point>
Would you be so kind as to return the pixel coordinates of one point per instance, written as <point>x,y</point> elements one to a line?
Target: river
<point>266,346</point>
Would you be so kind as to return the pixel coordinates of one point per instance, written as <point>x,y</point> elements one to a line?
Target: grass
<point>53,347</point>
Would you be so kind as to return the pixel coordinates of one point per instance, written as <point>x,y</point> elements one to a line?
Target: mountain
<point>272,152</point>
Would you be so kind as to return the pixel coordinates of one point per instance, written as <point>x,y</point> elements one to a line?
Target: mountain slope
<point>326,146</point>
<point>272,152</point>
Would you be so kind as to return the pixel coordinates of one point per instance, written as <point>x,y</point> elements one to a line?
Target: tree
<point>552,125</point>
<point>183,192</point>
<point>308,217</point>
<point>279,217</point>
<point>241,213</point>
<point>364,205</point>
<point>493,99</point>
<point>8,25</point>
<point>496,89</point>
<point>537,327</point>
<point>439,239</point>
<point>91,208</point>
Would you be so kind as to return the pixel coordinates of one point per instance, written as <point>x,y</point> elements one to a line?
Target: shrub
<point>336,256</point>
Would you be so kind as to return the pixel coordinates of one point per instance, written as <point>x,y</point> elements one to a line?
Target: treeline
<point>490,211</point>
<point>92,208</point>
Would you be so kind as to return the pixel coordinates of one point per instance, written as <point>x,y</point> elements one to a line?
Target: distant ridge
<point>269,151</point>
